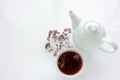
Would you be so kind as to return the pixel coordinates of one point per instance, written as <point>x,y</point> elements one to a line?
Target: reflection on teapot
<point>90,35</point>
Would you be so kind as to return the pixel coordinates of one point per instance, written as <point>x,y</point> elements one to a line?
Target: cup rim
<point>83,62</point>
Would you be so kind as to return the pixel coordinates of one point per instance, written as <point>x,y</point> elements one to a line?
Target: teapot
<point>90,35</point>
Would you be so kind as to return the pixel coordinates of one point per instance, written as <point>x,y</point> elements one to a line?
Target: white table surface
<point>24,25</point>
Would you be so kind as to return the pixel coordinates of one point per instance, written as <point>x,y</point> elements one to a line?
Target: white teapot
<point>90,35</point>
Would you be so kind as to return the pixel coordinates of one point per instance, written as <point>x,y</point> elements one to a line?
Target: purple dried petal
<point>50,50</point>
<point>57,32</point>
<point>60,42</point>
<point>60,47</point>
<point>49,35</point>
<point>55,53</point>
<point>67,38</point>
<point>47,45</point>
<point>65,33</point>
<point>50,32</point>
<point>67,29</point>
<point>57,45</point>
<point>54,32</point>
<point>61,37</point>
<point>54,36</point>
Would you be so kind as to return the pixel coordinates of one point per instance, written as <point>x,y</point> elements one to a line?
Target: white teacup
<point>62,59</point>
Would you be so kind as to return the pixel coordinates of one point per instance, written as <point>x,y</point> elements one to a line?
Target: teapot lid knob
<point>92,29</point>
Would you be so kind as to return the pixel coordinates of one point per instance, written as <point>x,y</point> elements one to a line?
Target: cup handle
<point>109,42</point>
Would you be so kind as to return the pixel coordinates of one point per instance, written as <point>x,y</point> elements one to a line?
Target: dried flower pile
<point>58,41</point>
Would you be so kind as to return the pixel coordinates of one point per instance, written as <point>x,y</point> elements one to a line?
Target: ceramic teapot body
<point>90,35</point>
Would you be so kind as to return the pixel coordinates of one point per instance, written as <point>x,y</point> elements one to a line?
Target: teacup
<point>70,62</point>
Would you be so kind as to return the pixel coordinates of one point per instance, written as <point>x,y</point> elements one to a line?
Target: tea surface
<point>70,62</point>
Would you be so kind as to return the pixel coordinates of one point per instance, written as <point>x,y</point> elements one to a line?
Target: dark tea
<point>70,62</point>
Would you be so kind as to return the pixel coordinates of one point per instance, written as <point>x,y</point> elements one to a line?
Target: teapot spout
<point>75,19</point>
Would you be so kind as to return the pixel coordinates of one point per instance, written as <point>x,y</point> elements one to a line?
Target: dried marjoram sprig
<point>58,41</point>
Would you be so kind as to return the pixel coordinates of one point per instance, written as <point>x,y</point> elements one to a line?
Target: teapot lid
<point>92,29</point>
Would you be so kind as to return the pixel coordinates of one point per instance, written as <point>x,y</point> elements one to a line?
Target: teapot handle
<point>110,43</point>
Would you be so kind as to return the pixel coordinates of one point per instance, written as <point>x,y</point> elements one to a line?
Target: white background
<point>24,25</point>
